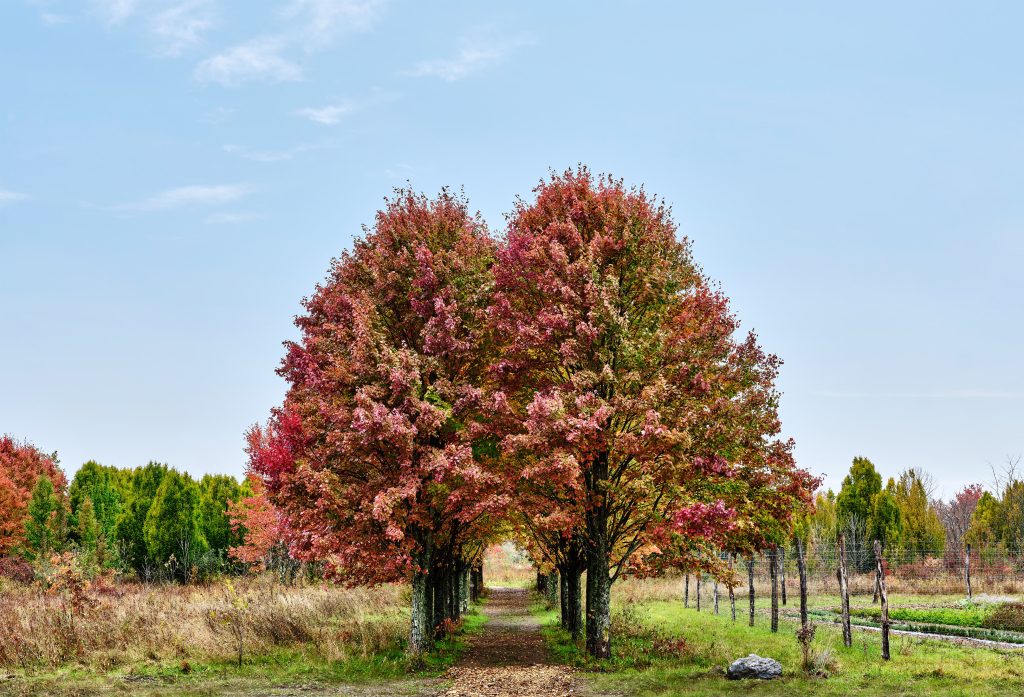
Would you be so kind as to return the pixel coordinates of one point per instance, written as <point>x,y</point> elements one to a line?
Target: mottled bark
<point>420,624</point>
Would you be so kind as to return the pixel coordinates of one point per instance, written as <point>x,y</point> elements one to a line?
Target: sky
<point>176,175</point>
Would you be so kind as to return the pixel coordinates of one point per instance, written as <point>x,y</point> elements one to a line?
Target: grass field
<point>663,649</point>
<point>184,640</point>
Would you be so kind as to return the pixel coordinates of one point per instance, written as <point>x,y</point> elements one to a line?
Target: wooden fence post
<point>750,585</point>
<point>967,570</point>
<point>716,595</point>
<point>773,570</point>
<point>732,586</point>
<point>880,575</point>
<point>844,591</point>
<point>781,552</point>
<point>801,565</point>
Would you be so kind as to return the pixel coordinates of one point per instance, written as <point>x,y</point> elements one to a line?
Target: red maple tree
<point>373,458</point>
<point>21,466</point>
<point>639,420</point>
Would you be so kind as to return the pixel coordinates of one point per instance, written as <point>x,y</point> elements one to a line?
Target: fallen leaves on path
<point>511,681</point>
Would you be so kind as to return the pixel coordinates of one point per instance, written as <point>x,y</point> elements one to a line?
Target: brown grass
<point>506,565</point>
<point>125,625</point>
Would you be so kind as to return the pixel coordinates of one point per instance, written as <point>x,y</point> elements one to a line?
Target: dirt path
<point>509,657</point>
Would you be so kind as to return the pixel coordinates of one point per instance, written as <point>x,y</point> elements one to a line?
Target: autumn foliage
<point>642,426</point>
<point>583,369</point>
<point>21,466</point>
<point>371,457</point>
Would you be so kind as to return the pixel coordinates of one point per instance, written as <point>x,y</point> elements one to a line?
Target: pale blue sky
<point>176,174</point>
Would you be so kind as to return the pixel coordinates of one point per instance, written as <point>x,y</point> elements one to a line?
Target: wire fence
<point>977,595</point>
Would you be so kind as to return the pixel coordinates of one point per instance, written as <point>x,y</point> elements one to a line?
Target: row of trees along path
<point>579,386</point>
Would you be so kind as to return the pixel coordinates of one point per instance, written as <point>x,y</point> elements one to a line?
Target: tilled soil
<point>509,657</point>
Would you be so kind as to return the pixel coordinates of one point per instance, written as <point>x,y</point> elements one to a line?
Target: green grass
<point>650,661</point>
<point>283,667</point>
<point>963,617</point>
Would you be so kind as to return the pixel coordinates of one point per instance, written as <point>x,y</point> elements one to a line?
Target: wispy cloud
<point>260,59</point>
<point>273,155</point>
<point>7,196</point>
<point>232,218</point>
<point>324,20</point>
<point>306,26</point>
<point>333,114</point>
<point>115,11</point>
<point>182,25</point>
<point>327,115</point>
<point>473,55</point>
<point>185,197</point>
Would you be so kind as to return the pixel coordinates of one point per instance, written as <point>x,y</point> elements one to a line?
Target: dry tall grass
<point>125,625</point>
<point>507,565</point>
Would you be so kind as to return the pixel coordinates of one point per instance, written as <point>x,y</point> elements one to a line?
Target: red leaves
<point>21,466</point>
<point>631,394</point>
<point>374,438</point>
<point>583,365</point>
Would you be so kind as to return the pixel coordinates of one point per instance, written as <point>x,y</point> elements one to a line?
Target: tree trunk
<point>563,591</point>
<point>599,609</point>
<point>750,586</point>
<point>700,576</point>
<point>716,595</point>
<point>553,583</point>
<point>844,592</point>
<point>880,575</point>
<point>574,589</point>
<point>773,570</point>
<point>686,591</point>
<point>441,595</point>
<point>464,588</point>
<point>455,593</point>
<point>599,583</point>
<point>476,582</point>
<point>420,628</point>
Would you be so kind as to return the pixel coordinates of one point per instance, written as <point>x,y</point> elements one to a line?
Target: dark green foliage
<point>104,487</point>
<point>130,528</point>
<point>43,528</point>
<point>885,521</point>
<point>859,489</point>
<point>963,617</point>
<point>216,491</point>
<point>174,540</point>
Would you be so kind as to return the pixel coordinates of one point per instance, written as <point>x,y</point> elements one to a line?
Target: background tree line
<point>151,521</point>
<point>912,522</point>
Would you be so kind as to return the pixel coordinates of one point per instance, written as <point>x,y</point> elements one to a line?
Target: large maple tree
<point>372,458</point>
<point>640,418</point>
